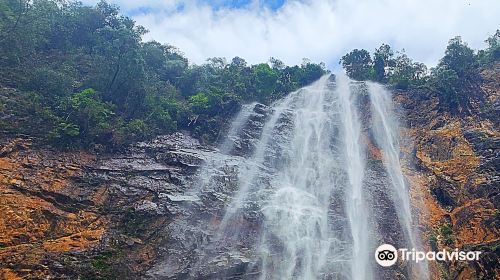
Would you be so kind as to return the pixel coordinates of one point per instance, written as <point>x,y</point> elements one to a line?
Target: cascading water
<point>295,232</point>
<point>387,137</point>
<point>354,159</point>
<point>235,129</point>
<point>386,132</point>
<point>303,191</point>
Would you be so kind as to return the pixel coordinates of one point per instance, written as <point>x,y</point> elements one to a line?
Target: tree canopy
<point>74,75</point>
<point>358,64</point>
<point>455,73</point>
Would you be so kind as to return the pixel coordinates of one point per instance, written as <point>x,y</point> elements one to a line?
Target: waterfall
<point>302,195</point>
<point>206,172</point>
<point>354,162</point>
<point>236,127</point>
<point>296,212</point>
<point>386,132</point>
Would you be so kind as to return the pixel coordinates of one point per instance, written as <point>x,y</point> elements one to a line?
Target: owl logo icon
<point>386,255</point>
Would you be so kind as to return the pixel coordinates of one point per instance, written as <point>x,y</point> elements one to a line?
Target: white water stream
<point>310,152</point>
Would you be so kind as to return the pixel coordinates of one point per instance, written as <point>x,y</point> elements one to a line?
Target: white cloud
<point>322,30</point>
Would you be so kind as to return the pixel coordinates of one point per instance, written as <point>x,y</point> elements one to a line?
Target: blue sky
<point>322,30</point>
<point>271,4</point>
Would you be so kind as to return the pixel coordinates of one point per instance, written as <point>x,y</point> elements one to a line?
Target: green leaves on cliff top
<point>453,77</point>
<point>84,76</point>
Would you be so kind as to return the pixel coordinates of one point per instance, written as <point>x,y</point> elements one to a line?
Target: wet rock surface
<point>69,215</point>
<point>45,211</point>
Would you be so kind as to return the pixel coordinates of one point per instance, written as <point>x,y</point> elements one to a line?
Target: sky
<point>321,30</point>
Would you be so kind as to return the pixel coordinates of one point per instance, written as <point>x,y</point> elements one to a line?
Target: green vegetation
<point>77,76</point>
<point>101,262</point>
<point>453,78</point>
<point>358,64</point>
<point>100,267</point>
<point>442,234</point>
<point>446,233</point>
<point>386,67</point>
<point>134,224</point>
<point>433,238</point>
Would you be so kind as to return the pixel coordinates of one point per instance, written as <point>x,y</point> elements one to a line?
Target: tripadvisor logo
<point>387,255</point>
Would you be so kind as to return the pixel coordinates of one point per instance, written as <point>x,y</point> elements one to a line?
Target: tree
<point>84,75</point>
<point>265,80</point>
<point>310,72</point>
<point>217,62</point>
<point>238,63</point>
<point>382,58</point>
<point>162,110</point>
<point>25,26</point>
<point>458,57</point>
<point>492,53</point>
<point>163,61</point>
<point>405,72</point>
<point>447,83</point>
<point>11,13</point>
<point>199,102</point>
<point>357,64</point>
<point>276,63</point>
<point>92,115</point>
<point>117,58</point>
<point>455,73</point>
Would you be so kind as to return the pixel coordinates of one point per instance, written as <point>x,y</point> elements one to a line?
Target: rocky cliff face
<point>69,215</point>
<point>455,176</point>
<point>136,213</point>
<point>128,214</point>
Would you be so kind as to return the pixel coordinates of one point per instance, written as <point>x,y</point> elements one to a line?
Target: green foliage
<point>49,82</point>
<point>492,53</point>
<point>91,113</point>
<point>458,57</point>
<point>62,132</point>
<point>215,90</point>
<point>382,59</point>
<point>358,64</point>
<point>310,72</point>
<point>398,70</point>
<point>265,79</point>
<point>446,233</point>
<point>456,71</point>
<point>199,102</point>
<point>405,72</point>
<point>79,75</point>
<point>162,113</point>
<point>210,110</point>
<point>137,128</point>
<point>447,82</point>
<point>83,75</point>
<point>85,99</point>
<point>456,74</point>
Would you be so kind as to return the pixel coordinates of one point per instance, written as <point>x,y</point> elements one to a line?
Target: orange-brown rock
<point>457,182</point>
<point>39,212</point>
